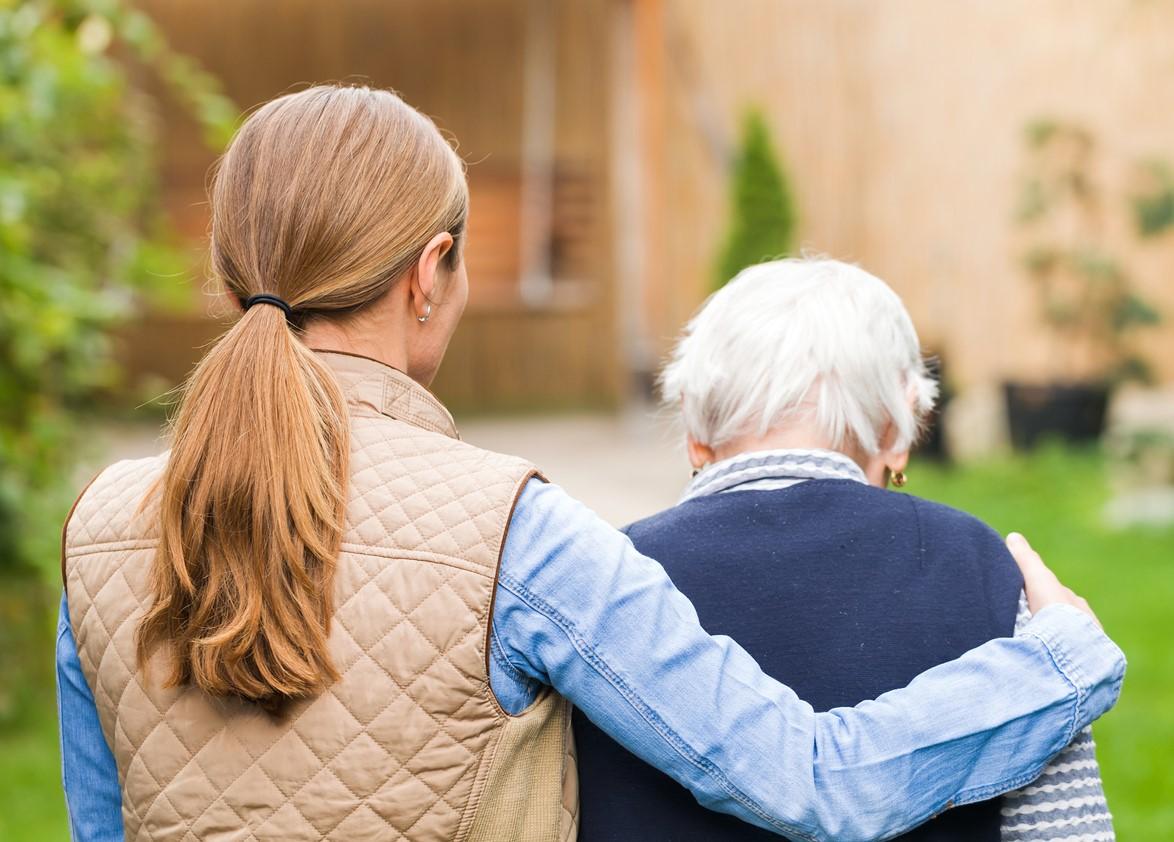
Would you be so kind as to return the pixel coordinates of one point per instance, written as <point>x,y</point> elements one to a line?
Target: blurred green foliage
<point>1153,202</point>
<point>763,219</point>
<point>1086,294</point>
<point>82,237</point>
<point>83,243</point>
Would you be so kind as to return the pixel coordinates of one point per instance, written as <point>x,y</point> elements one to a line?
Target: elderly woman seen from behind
<point>802,390</point>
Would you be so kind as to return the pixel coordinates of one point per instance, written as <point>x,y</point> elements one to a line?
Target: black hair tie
<point>266,298</point>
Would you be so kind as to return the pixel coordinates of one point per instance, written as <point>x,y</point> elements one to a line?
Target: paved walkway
<point>624,466</point>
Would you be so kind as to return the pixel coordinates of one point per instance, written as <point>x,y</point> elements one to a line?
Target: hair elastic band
<point>266,298</point>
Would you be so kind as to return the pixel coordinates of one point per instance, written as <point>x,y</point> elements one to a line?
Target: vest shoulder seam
<point>112,546</point>
<point>415,555</point>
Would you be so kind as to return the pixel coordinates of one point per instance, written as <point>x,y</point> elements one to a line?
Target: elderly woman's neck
<point>799,437</point>
<point>784,440</point>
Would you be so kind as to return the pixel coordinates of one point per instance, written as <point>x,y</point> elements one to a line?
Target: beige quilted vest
<point>410,742</point>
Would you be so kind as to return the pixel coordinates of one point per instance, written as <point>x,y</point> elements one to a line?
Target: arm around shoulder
<point>580,610</point>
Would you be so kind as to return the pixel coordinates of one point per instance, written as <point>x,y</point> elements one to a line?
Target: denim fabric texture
<point>88,771</point>
<point>579,610</point>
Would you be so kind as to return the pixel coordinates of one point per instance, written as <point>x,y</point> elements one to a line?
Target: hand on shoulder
<point>1041,584</point>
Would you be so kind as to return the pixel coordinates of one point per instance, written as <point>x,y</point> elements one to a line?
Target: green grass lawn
<point>31,804</point>
<point>1054,498</point>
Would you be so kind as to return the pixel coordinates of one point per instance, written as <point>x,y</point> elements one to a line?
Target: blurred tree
<point>764,218</point>
<point>81,236</point>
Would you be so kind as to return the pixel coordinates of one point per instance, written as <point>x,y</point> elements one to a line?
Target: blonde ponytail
<point>252,505</point>
<point>324,199</point>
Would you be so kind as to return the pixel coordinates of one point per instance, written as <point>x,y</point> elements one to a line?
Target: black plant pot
<point>1072,412</point>
<point>933,443</point>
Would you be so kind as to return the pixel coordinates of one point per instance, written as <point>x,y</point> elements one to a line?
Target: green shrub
<point>82,238</point>
<point>81,233</point>
<point>763,211</point>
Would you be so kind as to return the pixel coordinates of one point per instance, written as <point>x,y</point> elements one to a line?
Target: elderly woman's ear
<point>700,454</point>
<point>894,465</point>
<point>888,463</point>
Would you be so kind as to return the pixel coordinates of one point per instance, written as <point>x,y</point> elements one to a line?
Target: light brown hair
<point>324,198</point>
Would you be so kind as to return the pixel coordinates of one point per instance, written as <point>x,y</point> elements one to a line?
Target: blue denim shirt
<point>579,610</point>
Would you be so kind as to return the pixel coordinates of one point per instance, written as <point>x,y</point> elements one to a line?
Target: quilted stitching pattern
<point>392,750</point>
<point>569,821</point>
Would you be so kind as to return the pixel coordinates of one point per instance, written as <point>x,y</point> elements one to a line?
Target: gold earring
<point>899,479</point>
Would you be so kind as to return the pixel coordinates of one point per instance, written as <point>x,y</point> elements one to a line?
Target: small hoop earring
<point>899,479</point>
<point>427,313</point>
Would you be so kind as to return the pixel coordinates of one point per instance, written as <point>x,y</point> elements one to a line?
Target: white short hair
<point>811,338</point>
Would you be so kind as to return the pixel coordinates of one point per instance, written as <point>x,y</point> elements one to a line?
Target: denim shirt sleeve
<point>578,609</point>
<point>89,772</point>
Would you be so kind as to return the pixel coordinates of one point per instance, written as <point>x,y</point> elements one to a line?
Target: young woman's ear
<point>425,283</point>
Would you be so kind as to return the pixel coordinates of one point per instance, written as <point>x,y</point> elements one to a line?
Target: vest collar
<point>388,391</point>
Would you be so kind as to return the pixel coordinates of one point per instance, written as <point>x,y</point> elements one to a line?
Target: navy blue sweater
<point>841,591</point>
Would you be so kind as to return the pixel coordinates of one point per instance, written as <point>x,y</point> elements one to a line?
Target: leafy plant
<point>1153,203</point>
<point>1086,294</point>
<point>763,218</point>
<point>82,239</point>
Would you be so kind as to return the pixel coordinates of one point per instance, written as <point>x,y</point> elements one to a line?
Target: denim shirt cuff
<point>1092,663</point>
